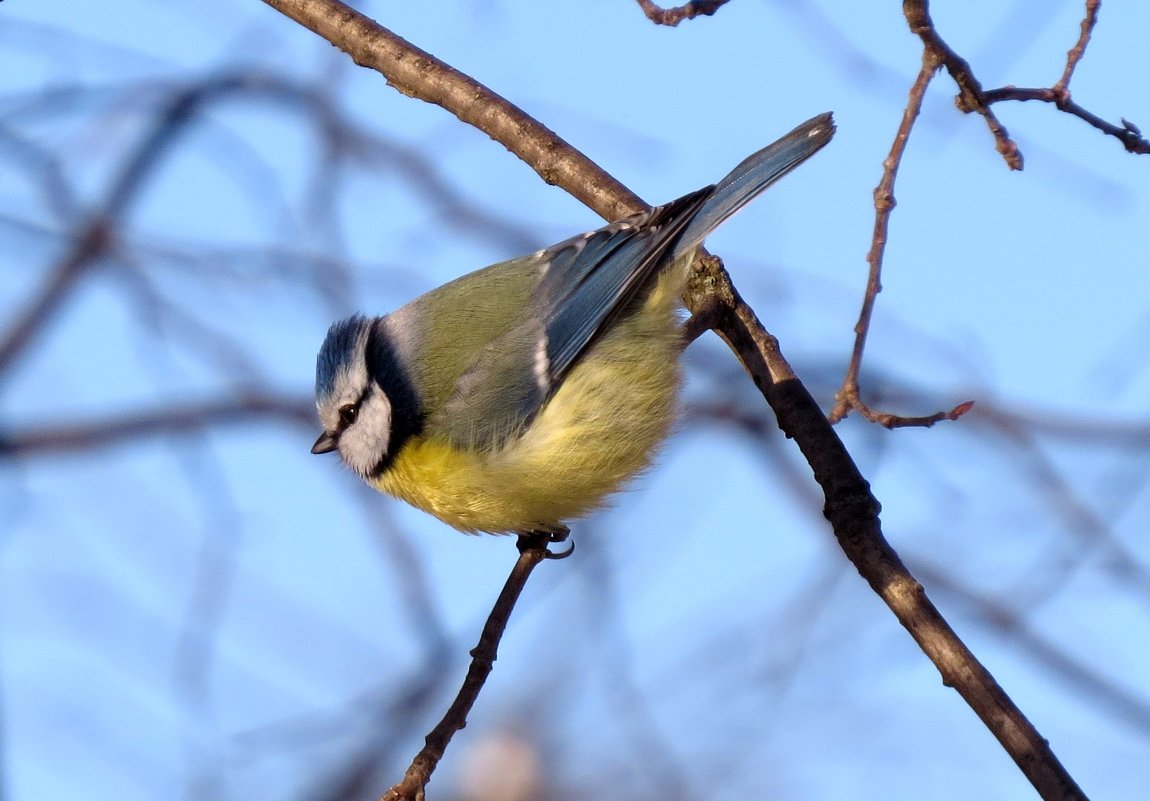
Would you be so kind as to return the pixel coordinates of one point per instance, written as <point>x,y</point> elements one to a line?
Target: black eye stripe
<point>393,380</point>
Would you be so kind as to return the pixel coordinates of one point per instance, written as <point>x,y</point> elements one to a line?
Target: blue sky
<point>221,615</point>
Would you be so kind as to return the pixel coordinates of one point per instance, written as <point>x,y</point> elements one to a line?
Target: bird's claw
<point>541,539</point>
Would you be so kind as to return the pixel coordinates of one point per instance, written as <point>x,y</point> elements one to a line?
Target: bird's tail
<point>753,175</point>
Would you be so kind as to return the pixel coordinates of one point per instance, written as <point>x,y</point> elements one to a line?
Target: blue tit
<point>522,395</point>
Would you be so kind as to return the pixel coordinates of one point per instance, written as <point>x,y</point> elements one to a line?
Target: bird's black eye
<point>348,412</point>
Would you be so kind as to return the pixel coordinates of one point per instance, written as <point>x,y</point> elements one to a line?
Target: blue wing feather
<point>591,278</point>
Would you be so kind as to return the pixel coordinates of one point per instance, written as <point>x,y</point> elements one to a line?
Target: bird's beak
<point>326,443</point>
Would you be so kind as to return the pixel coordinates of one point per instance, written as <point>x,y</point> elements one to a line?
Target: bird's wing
<point>583,284</point>
<point>589,279</point>
<point>497,394</point>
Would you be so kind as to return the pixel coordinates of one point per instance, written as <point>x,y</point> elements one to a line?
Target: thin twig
<point>673,16</point>
<point>1129,134</point>
<point>532,551</point>
<point>1074,55</point>
<point>848,397</point>
<point>969,98</point>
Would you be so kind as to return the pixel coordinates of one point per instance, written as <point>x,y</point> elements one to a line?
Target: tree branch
<point>173,419</point>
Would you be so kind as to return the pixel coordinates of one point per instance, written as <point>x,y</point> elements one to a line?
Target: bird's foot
<point>542,539</point>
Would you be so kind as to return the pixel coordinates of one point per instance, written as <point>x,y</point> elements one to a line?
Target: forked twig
<point>971,97</point>
<point>917,13</point>
<point>848,398</point>
<point>1059,95</point>
<point>1129,134</point>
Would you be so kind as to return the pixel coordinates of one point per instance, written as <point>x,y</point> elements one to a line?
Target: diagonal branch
<point>417,73</point>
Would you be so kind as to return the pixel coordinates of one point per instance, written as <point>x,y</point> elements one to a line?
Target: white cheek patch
<point>364,444</point>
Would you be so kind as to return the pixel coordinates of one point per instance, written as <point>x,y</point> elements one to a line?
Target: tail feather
<point>753,175</point>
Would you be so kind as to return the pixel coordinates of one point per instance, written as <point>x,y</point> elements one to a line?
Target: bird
<point>521,396</point>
